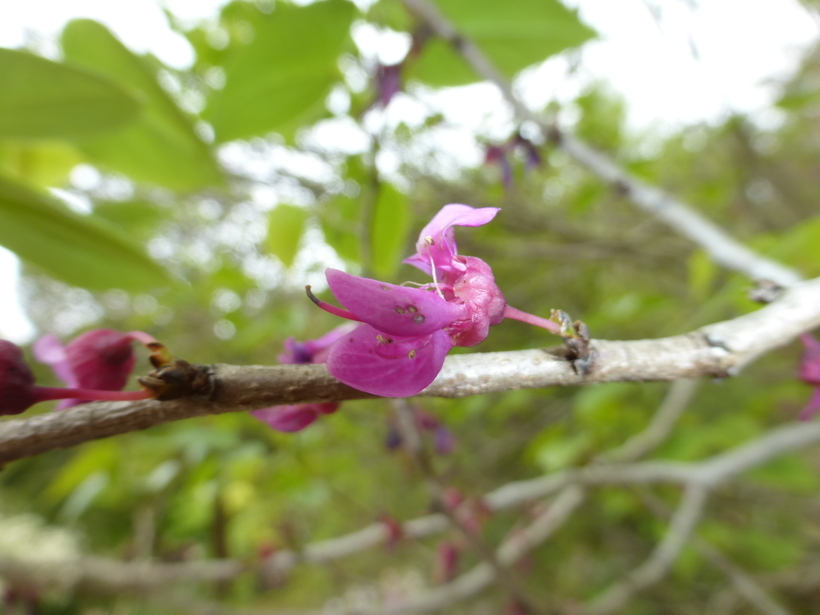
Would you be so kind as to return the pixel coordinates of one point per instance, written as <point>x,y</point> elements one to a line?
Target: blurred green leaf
<point>391,224</point>
<point>80,250</point>
<point>339,220</point>
<point>161,147</point>
<point>42,163</point>
<point>289,67</point>
<point>43,99</point>
<point>139,219</point>
<point>286,225</point>
<point>513,34</point>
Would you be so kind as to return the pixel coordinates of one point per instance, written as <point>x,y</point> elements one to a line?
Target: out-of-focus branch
<point>414,444</point>
<point>105,576</point>
<point>677,399</point>
<point>724,249</point>
<point>708,473</point>
<point>716,350</point>
<point>471,583</point>
<point>660,561</point>
<point>743,584</point>
<point>111,576</point>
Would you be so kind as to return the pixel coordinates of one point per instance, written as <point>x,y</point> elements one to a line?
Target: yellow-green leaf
<point>79,250</point>
<point>45,100</point>
<point>161,147</point>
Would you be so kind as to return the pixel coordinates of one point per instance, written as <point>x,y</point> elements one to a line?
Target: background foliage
<point>209,197</point>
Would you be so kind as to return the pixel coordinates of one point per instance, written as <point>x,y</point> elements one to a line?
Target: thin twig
<point>677,398</point>
<point>111,576</point>
<point>414,444</point>
<point>723,248</point>
<point>743,584</point>
<point>660,561</point>
<point>716,350</point>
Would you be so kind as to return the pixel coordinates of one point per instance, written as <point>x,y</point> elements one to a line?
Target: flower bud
<point>17,392</point>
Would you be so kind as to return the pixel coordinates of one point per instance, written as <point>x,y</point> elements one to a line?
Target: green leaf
<point>161,147</point>
<point>79,250</point>
<point>139,219</point>
<point>42,163</point>
<point>513,34</point>
<point>391,224</point>
<point>277,80</point>
<point>339,219</point>
<point>286,225</point>
<point>43,99</point>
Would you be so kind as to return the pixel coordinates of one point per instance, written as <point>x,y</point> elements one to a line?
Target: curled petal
<point>288,418</point>
<point>392,309</point>
<point>436,245</point>
<point>389,366</point>
<point>50,350</point>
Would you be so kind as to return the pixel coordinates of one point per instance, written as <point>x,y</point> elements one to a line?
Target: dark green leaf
<point>289,67</point>
<point>161,147</point>
<point>513,34</point>
<point>286,225</point>
<point>43,99</point>
<point>80,250</point>
<point>391,223</point>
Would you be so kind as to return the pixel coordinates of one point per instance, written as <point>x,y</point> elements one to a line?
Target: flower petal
<point>50,350</point>
<point>101,359</point>
<point>288,418</point>
<point>392,309</point>
<point>400,367</point>
<point>437,240</point>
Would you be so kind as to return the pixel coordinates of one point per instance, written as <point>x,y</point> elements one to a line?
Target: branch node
<point>180,379</point>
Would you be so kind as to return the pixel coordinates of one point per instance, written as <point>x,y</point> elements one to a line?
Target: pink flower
<point>407,332</point>
<point>100,359</point>
<point>296,417</point>
<point>95,366</point>
<point>810,374</point>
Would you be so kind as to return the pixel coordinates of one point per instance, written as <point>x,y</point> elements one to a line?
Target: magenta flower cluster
<point>406,332</point>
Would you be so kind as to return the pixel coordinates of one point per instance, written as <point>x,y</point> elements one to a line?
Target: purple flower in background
<point>295,417</point>
<point>407,332</point>
<point>388,82</point>
<point>501,155</point>
<point>497,154</point>
<point>810,374</point>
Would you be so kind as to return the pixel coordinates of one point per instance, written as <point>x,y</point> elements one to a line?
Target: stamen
<point>433,273</point>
